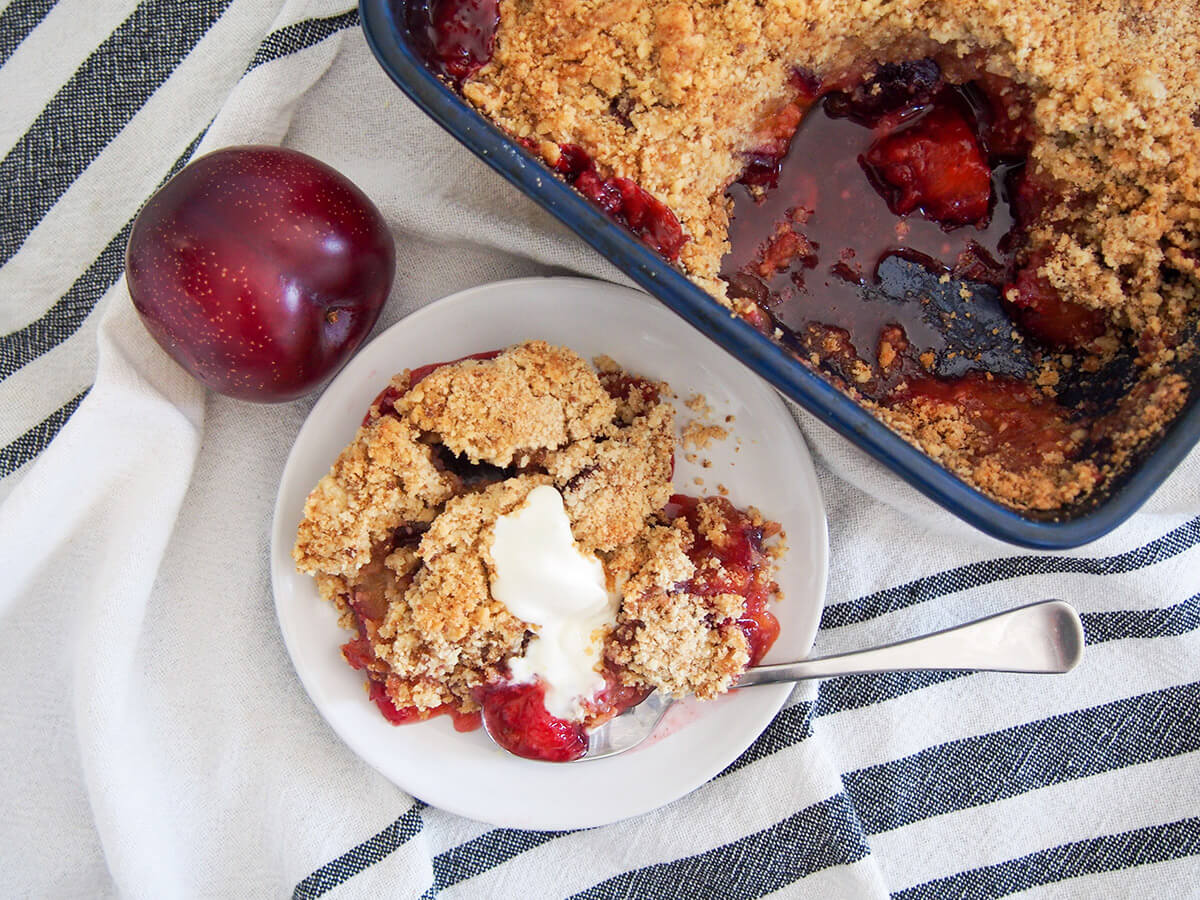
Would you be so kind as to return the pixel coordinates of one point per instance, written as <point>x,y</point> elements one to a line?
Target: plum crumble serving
<point>502,539</point>
<point>981,220</point>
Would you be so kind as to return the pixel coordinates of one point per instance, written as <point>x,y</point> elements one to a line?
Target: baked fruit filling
<point>502,539</point>
<point>953,211</point>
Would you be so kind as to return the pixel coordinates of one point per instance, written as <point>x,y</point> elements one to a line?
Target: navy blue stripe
<point>363,856</point>
<point>502,844</point>
<point>1170,621</point>
<point>1107,853</point>
<point>108,90</point>
<point>299,35</point>
<point>36,439</point>
<point>65,317</point>
<point>485,852</point>
<point>852,612</point>
<point>986,768</point>
<point>17,20</point>
<point>856,691</point>
<point>792,725</point>
<point>815,838</point>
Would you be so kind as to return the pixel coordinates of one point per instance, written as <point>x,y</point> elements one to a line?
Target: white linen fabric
<point>154,739</point>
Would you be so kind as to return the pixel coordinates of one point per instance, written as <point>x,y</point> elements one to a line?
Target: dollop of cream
<point>542,577</point>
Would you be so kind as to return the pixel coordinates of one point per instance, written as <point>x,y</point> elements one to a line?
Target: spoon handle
<point>1044,637</point>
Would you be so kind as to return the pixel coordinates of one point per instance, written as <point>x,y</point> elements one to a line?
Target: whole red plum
<point>260,270</point>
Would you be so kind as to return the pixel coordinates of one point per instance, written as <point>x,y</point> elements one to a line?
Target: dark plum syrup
<point>812,228</point>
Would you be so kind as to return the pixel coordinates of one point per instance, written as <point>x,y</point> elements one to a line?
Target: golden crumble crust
<point>385,477</point>
<point>1142,414</point>
<point>676,641</point>
<point>534,397</point>
<point>447,627</point>
<point>947,435</point>
<point>663,94</point>
<point>676,647</point>
<point>612,485</point>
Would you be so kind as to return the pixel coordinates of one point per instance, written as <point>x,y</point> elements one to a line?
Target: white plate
<point>764,462</point>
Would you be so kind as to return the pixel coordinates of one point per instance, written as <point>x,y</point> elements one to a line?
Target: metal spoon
<point>1041,638</point>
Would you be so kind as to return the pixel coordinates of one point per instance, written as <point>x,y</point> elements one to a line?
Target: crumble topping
<point>533,397</point>
<point>665,637</point>
<point>447,627</point>
<point>948,434</point>
<point>678,649</point>
<point>664,95</point>
<point>398,534</point>
<point>682,624</point>
<point>698,403</point>
<point>611,486</point>
<point>385,478</point>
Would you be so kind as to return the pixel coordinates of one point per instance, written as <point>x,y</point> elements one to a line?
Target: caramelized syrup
<point>824,193</point>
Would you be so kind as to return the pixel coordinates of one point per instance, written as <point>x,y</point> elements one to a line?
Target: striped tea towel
<point>155,740</point>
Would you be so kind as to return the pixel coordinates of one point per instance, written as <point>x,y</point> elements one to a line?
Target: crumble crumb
<point>697,403</point>
<point>699,435</point>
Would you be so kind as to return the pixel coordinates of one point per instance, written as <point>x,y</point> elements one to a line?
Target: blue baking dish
<point>389,39</point>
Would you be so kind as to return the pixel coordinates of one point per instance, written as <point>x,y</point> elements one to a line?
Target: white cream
<point>541,577</point>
